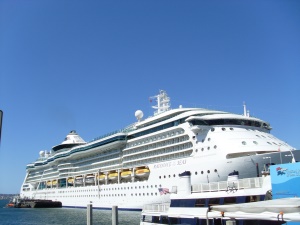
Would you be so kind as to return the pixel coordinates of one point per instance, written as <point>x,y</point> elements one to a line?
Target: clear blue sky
<point>89,65</point>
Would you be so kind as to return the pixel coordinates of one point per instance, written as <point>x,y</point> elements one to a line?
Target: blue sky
<point>89,65</point>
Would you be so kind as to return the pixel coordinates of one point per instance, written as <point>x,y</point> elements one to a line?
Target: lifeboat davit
<point>126,174</point>
<point>142,172</point>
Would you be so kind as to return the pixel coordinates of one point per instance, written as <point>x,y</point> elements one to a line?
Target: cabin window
<point>200,203</point>
<point>229,200</point>
<point>213,201</point>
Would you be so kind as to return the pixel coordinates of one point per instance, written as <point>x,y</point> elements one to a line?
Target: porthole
<point>215,146</point>
<point>208,171</point>
<point>255,142</point>
<point>231,128</point>
<point>216,170</point>
<point>201,172</point>
<point>196,150</point>
<point>244,142</point>
<point>208,148</point>
<point>257,136</point>
<point>196,173</point>
<point>212,129</point>
<point>269,143</point>
<point>202,149</point>
<point>223,128</point>
<point>208,139</point>
<point>202,140</point>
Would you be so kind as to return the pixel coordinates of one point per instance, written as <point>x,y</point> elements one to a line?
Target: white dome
<point>42,153</point>
<point>139,114</point>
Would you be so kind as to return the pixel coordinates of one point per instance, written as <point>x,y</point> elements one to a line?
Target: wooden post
<point>114,218</point>
<point>89,214</point>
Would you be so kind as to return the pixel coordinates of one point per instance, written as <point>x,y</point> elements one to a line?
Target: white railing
<point>157,207</point>
<point>245,183</point>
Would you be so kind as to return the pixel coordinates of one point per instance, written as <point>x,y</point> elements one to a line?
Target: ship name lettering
<point>169,164</point>
<point>181,162</point>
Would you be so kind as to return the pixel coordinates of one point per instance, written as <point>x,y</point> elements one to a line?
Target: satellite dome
<point>42,153</point>
<point>139,114</point>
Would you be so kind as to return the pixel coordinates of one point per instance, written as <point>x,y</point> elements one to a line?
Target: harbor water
<point>62,216</point>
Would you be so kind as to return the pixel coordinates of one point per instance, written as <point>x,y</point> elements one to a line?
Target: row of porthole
<point>108,189</point>
<point>196,173</point>
<point>105,195</point>
<point>223,129</point>
<point>111,189</point>
<point>255,142</point>
<point>208,171</point>
<point>143,194</point>
<point>208,148</point>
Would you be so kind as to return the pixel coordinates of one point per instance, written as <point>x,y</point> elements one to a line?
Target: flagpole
<point>280,155</point>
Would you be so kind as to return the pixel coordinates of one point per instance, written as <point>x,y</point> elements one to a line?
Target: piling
<point>89,214</point>
<point>114,218</point>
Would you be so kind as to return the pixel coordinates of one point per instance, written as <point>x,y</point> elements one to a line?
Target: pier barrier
<point>89,214</point>
<point>114,217</point>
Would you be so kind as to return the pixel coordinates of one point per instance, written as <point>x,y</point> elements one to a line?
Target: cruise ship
<point>130,167</point>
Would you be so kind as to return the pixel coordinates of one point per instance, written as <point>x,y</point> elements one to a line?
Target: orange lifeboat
<point>70,180</point>
<point>49,183</point>
<point>142,172</point>
<point>112,175</point>
<point>101,177</point>
<point>126,174</point>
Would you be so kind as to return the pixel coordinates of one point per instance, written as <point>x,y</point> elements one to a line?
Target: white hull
<point>210,144</point>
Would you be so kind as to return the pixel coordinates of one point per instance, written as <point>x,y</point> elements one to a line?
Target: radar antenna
<point>163,102</point>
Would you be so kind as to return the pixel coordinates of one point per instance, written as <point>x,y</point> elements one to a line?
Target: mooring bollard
<point>89,214</point>
<point>114,213</point>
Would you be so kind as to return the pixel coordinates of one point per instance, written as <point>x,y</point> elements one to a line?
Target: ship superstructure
<point>129,166</point>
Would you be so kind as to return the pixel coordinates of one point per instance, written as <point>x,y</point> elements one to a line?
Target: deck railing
<point>245,183</point>
<point>156,207</point>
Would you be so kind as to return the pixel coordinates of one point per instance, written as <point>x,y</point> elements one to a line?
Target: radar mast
<point>163,102</point>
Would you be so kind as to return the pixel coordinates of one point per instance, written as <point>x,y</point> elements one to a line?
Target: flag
<point>163,191</point>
